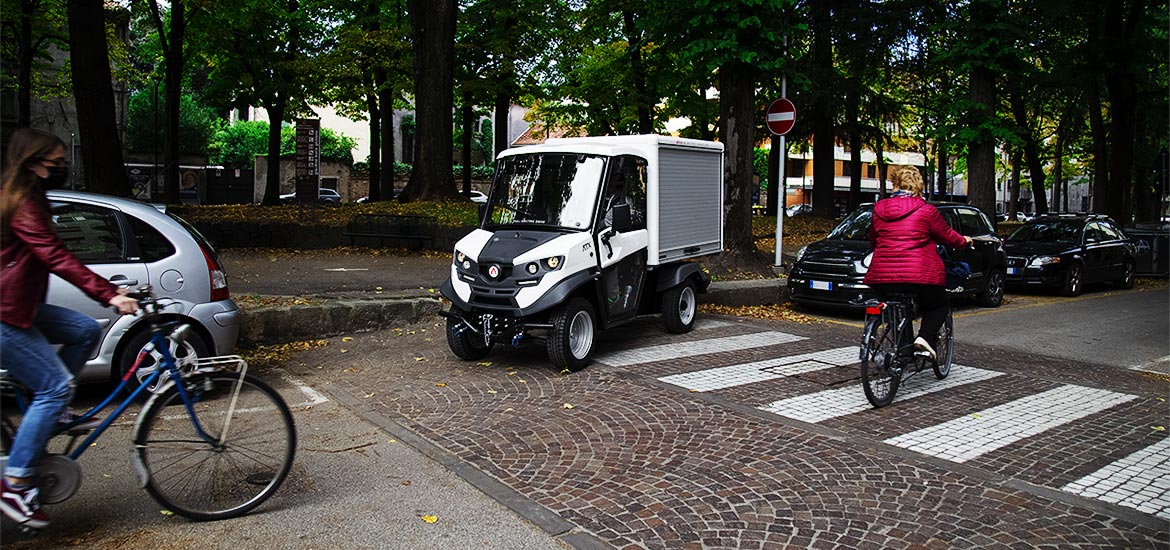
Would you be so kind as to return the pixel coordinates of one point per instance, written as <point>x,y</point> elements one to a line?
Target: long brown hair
<point>17,182</point>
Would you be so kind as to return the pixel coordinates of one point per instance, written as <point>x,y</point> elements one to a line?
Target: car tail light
<point>219,285</point>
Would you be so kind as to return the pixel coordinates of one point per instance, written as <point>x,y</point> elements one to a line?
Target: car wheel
<point>992,295</point>
<point>465,343</point>
<point>1073,280</point>
<point>571,343</point>
<point>193,348</point>
<point>1126,280</point>
<point>678,307</point>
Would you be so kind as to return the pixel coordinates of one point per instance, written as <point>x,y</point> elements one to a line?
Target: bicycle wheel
<point>879,373</point>
<point>945,352</point>
<point>205,480</point>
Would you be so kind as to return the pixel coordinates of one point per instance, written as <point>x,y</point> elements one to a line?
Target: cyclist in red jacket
<point>29,251</point>
<point>903,234</point>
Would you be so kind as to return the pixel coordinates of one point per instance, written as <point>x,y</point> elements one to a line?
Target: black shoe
<point>69,416</point>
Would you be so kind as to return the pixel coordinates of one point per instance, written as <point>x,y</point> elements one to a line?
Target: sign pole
<point>782,192</point>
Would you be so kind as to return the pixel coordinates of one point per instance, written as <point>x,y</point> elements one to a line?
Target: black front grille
<point>825,269</point>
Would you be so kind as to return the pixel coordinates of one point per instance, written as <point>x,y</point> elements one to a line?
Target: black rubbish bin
<point>1153,248</point>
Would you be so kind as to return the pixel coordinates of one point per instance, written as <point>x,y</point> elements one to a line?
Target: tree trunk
<point>1014,187</point>
<point>433,29</point>
<point>385,181</point>
<point>737,110</point>
<point>981,153</point>
<point>1031,155</point>
<point>852,109</point>
<point>275,117</point>
<point>101,149</point>
<point>375,165</point>
<point>174,89</point>
<point>642,101</point>
<point>882,169</point>
<point>775,186</point>
<point>1100,188</point>
<point>1121,22</point>
<point>824,176</point>
<point>468,130</point>
<point>500,127</point>
<point>1058,173</point>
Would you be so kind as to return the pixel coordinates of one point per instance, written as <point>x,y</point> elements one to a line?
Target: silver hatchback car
<point>132,243</point>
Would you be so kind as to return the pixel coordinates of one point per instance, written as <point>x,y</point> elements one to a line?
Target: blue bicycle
<point>213,443</point>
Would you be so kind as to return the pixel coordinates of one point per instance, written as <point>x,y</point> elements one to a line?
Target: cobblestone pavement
<point>755,434</point>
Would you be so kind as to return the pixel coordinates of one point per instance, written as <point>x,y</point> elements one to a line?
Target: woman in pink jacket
<point>29,251</point>
<point>904,232</point>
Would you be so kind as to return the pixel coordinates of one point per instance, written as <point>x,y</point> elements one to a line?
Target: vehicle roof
<point>611,145</point>
<point>121,203</point>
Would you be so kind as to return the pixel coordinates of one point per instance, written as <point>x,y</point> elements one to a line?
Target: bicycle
<point>214,443</point>
<point>888,357</point>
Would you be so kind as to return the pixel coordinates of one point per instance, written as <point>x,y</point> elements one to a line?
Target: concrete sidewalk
<point>347,291</point>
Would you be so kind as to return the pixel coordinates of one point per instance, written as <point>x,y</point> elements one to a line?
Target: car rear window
<point>152,245</point>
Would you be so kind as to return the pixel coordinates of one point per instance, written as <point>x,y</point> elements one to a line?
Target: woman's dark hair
<point>17,182</point>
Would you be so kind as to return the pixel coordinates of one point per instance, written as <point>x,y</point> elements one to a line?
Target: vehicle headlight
<point>1040,261</point>
<point>553,263</point>
<point>532,268</point>
<point>800,253</point>
<point>862,266</point>
<point>462,260</point>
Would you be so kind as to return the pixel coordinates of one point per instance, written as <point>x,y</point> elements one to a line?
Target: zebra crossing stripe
<point>695,347</point>
<point>827,404</point>
<point>971,436</point>
<point>1140,481</point>
<point>758,371</point>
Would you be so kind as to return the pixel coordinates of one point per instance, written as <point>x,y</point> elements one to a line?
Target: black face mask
<point>56,178</point>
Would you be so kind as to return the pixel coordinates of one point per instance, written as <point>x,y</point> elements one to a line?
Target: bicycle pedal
<point>923,354</point>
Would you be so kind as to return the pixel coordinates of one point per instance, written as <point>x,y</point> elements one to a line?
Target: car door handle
<point>122,280</point>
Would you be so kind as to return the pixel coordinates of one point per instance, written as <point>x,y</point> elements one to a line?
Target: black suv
<point>1068,251</point>
<point>830,271</point>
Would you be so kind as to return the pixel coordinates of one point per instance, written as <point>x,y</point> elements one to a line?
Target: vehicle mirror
<point>621,218</point>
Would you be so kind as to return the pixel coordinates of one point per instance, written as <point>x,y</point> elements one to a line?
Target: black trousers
<point>932,305</point>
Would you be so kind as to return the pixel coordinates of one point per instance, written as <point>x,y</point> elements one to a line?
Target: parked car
<point>133,243</point>
<point>830,272</point>
<point>799,210</point>
<point>478,198</point>
<point>1068,251</point>
<point>324,196</point>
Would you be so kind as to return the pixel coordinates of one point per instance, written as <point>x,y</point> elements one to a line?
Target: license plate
<point>1013,271</point>
<point>820,285</point>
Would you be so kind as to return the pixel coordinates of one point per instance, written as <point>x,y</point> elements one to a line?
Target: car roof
<point>124,204</point>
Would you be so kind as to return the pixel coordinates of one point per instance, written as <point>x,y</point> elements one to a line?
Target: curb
<point>333,317</point>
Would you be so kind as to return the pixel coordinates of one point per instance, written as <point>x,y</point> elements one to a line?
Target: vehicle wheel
<point>193,348</point>
<point>1073,280</point>
<point>879,373</point>
<point>945,351</point>
<point>237,457</point>
<point>466,343</point>
<point>1126,280</point>
<point>992,295</point>
<point>571,343</point>
<point>678,307</point>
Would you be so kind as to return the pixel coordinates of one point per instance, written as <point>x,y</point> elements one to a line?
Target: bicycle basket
<point>957,273</point>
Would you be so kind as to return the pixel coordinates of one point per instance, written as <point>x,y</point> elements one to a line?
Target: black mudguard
<point>674,274</point>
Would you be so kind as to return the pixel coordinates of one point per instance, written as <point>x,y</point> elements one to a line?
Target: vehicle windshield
<point>1055,231</point>
<point>855,226</point>
<point>554,189</point>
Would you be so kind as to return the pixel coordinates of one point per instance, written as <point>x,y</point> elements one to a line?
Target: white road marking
<point>824,405</point>
<point>695,347</point>
<point>1140,481</point>
<point>314,397</point>
<point>345,269</point>
<point>971,436</point>
<point>758,371</point>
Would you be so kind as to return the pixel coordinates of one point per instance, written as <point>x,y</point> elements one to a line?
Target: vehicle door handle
<point>122,280</point>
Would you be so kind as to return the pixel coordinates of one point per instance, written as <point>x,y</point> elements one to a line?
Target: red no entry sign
<point>781,116</point>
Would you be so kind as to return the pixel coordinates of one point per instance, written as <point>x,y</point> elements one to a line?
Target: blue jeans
<point>29,357</point>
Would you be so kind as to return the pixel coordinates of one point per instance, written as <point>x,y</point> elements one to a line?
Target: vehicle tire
<point>678,307</point>
<point>879,374</point>
<point>945,350</point>
<point>1126,280</point>
<point>227,473</point>
<point>570,344</point>
<point>992,295</point>
<point>1074,281</point>
<point>466,344</point>
<point>193,348</point>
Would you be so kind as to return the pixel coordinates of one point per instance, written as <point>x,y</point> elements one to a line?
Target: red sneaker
<point>22,505</point>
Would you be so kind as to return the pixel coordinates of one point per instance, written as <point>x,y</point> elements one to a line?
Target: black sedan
<point>830,272</point>
<point>1068,251</point>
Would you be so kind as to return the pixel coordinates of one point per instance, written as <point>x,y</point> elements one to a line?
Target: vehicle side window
<point>628,179</point>
<point>92,233</point>
<point>1110,232</point>
<point>1094,234</point>
<point>974,222</point>
<point>152,245</point>
<point>948,215</point>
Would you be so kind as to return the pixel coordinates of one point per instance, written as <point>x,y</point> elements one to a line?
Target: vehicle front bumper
<point>840,293</point>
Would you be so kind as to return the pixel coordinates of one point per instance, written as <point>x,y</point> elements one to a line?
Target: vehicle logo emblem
<point>494,271</point>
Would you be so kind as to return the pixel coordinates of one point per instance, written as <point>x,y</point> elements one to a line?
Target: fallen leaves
<point>430,519</point>
<point>771,311</point>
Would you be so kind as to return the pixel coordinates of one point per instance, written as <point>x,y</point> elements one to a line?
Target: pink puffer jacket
<point>903,235</point>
